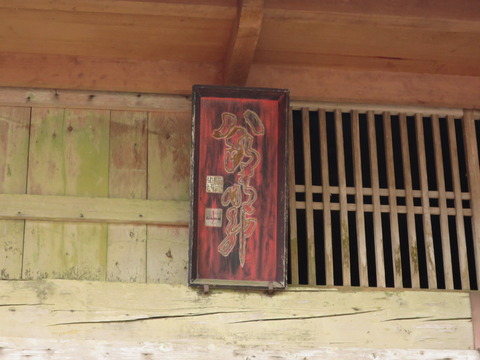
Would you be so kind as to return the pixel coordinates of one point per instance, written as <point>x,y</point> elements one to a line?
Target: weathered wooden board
<point>176,318</point>
<point>68,156</point>
<point>93,209</point>
<point>126,258</point>
<point>169,139</point>
<point>61,98</point>
<point>167,254</point>
<point>20,348</point>
<point>14,132</point>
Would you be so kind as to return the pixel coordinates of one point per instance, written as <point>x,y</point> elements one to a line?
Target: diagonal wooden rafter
<point>243,42</point>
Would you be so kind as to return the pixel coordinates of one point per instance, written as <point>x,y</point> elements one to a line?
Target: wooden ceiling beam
<point>104,74</point>
<point>243,42</point>
<point>305,83</point>
<point>370,87</point>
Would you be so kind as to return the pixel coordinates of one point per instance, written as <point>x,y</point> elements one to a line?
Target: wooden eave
<point>401,52</point>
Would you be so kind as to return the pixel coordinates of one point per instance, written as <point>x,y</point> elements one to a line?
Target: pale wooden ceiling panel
<point>397,48</point>
<point>114,35</point>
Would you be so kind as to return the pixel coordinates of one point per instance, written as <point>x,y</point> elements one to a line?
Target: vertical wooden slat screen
<point>393,204</point>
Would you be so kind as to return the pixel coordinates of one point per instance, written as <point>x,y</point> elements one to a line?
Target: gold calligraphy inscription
<point>241,159</point>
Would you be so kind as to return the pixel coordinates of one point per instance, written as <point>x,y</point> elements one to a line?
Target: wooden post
<point>327,216</point>
<point>473,174</point>
<point>293,207</point>
<point>459,218</point>
<point>392,200</point>
<point>342,185</point>
<point>360,218</point>
<point>307,163</point>
<point>407,176</point>
<point>442,202</point>
<point>427,222</point>
<point>377,216</point>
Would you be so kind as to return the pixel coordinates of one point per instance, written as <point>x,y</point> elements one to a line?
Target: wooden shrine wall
<point>94,186</point>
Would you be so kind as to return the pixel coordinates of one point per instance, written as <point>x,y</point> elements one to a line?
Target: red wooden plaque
<point>239,187</point>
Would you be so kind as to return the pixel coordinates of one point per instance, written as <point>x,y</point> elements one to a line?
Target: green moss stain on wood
<point>47,173</point>
<point>69,156</point>
<point>14,133</point>
<point>86,152</point>
<point>127,253</point>
<point>14,129</point>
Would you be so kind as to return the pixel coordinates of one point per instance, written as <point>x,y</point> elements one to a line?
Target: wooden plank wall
<point>95,186</point>
<point>79,178</point>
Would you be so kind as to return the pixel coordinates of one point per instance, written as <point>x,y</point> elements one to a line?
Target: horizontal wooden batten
<point>383,192</point>
<point>93,210</point>
<point>94,99</point>
<point>74,99</point>
<point>384,208</point>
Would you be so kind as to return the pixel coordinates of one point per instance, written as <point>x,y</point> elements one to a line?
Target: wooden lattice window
<point>384,197</point>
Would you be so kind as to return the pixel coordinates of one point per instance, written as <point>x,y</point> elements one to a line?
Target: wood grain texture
<point>359,213</point>
<point>473,175</point>
<point>377,218</point>
<point>120,74</point>
<point>292,215</point>
<point>68,156</point>
<point>176,316</point>
<point>442,200</point>
<point>407,178</point>
<point>459,220</point>
<point>14,134</point>
<point>107,35</point>
<point>93,209</point>
<point>427,221</point>
<point>383,87</point>
<point>392,201</point>
<point>167,254</point>
<point>169,143</point>
<point>307,164</point>
<point>93,349</point>
<point>342,185</point>
<point>327,215</point>
<point>169,139</point>
<point>59,98</point>
<point>243,42</point>
<point>126,248</point>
